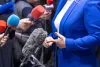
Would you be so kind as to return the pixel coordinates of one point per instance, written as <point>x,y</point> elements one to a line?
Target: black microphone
<point>33,43</point>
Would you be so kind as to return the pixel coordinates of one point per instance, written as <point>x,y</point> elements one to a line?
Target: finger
<point>27,19</point>
<point>59,35</point>
<point>1,35</point>
<point>2,44</point>
<point>5,37</point>
<point>50,44</point>
<point>53,40</point>
<point>28,22</point>
<point>5,40</point>
<point>45,44</point>
<point>2,41</point>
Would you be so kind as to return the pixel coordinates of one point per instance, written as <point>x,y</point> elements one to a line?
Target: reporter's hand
<point>3,39</point>
<point>46,43</point>
<point>60,42</point>
<point>46,15</point>
<point>24,24</point>
<point>48,7</point>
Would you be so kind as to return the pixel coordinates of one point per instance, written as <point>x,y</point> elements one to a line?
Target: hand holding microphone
<point>35,14</point>
<point>48,10</point>
<point>3,26</point>
<point>12,23</point>
<point>24,24</point>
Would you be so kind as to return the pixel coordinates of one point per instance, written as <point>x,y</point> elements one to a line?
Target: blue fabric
<point>7,8</point>
<point>81,27</point>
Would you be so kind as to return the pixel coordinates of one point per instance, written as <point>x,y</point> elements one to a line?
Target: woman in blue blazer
<point>77,34</point>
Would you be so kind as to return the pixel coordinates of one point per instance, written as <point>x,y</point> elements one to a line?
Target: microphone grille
<point>37,11</point>
<point>36,39</point>
<point>3,26</point>
<point>13,20</point>
<point>49,2</point>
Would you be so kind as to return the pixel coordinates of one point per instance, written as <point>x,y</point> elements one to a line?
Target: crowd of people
<point>73,28</point>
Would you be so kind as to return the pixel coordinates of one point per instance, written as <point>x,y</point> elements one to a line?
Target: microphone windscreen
<point>49,2</point>
<point>13,20</point>
<point>35,40</point>
<point>7,7</point>
<point>37,11</point>
<point>3,26</point>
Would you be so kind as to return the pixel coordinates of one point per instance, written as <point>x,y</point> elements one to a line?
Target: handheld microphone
<point>36,13</point>
<point>49,5</point>
<point>3,26</point>
<point>33,44</point>
<point>12,23</point>
<point>7,8</point>
<point>35,39</point>
<point>49,2</point>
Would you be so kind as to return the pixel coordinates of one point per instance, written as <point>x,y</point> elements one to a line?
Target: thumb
<point>52,40</point>
<point>59,35</point>
<point>26,19</point>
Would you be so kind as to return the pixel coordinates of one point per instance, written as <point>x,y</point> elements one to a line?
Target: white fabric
<point>61,14</point>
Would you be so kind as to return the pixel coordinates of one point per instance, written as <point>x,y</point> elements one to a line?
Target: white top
<point>61,14</point>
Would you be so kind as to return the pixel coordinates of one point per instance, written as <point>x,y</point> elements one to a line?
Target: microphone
<point>3,26</point>
<point>33,43</point>
<point>7,8</point>
<point>36,13</point>
<point>49,2</point>
<point>12,23</point>
<point>36,39</point>
<point>49,6</point>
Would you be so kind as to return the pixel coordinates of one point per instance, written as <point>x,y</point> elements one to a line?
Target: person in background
<point>6,57</point>
<point>23,9</point>
<point>75,33</point>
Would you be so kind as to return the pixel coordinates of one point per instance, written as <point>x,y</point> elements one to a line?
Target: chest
<point>73,18</point>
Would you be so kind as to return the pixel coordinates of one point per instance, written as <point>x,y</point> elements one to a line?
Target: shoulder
<point>92,5</point>
<point>22,3</point>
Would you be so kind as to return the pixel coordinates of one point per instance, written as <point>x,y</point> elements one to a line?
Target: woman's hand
<point>46,43</point>
<point>3,39</point>
<point>60,42</point>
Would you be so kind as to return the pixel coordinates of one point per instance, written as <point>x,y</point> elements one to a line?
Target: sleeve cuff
<point>69,44</point>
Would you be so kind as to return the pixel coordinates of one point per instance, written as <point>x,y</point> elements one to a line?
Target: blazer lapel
<point>59,7</point>
<point>68,12</point>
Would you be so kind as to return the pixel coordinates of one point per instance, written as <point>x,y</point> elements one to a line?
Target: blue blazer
<point>81,27</point>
